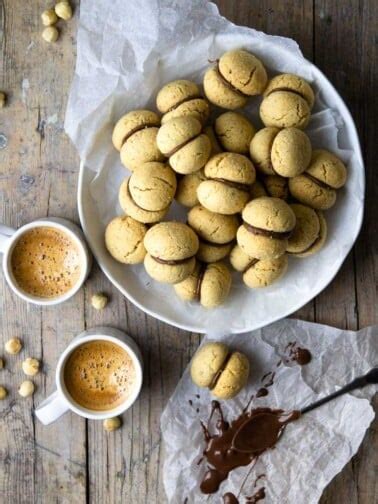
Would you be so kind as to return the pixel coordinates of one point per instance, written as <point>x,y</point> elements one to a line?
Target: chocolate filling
<point>171,262</point>
<point>180,146</point>
<point>138,128</point>
<point>236,185</point>
<point>317,181</point>
<point>136,204</point>
<point>220,371</point>
<point>184,100</point>
<point>266,232</point>
<point>288,90</point>
<point>229,85</point>
<point>212,244</point>
<point>250,264</point>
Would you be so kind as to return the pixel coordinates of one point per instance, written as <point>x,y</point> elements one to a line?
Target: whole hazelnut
<point>1,363</point>
<point>50,34</point>
<point>99,301</point>
<point>30,366</point>
<point>3,393</point>
<point>49,17</point>
<point>3,99</point>
<point>63,10</point>
<point>112,424</point>
<point>26,388</point>
<point>13,346</point>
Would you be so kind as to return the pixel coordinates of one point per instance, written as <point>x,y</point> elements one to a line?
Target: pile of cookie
<point>253,196</point>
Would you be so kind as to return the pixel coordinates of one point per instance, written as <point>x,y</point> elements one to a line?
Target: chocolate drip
<point>228,84</point>
<point>171,262</point>
<point>184,100</point>
<point>235,185</point>
<point>180,146</point>
<point>257,496</point>
<point>262,392</point>
<point>301,355</point>
<point>229,498</point>
<point>317,181</point>
<point>266,232</point>
<point>138,128</point>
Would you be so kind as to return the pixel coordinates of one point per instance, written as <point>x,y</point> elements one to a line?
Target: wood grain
<point>76,461</point>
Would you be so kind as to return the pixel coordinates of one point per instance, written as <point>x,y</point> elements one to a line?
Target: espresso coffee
<point>45,262</point>
<point>99,375</point>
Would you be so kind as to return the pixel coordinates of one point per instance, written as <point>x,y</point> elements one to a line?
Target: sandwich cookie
<point>238,75</point>
<point>130,208</point>
<point>124,240</point>
<point>288,100</point>
<point>276,186</point>
<point>310,232</point>
<point>182,98</point>
<point>181,140</point>
<point>257,189</point>
<point>267,225</point>
<point>187,185</point>
<point>135,136</point>
<point>152,186</point>
<point>216,367</point>
<point>215,145</point>
<point>171,249</point>
<point>258,273</point>
<point>291,152</point>
<point>216,232</point>
<point>234,132</point>
<point>229,179</point>
<point>260,150</point>
<point>317,186</point>
<point>209,284</point>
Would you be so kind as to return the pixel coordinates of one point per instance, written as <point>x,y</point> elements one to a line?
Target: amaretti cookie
<point>285,109</point>
<point>124,240</point>
<point>267,225</point>
<point>138,213</point>
<point>317,186</point>
<point>171,249</point>
<point>229,178</point>
<point>234,131</point>
<point>258,273</point>
<point>216,367</point>
<point>238,75</point>
<point>310,232</point>
<point>292,83</point>
<point>182,98</point>
<point>209,284</point>
<point>257,190</point>
<point>135,136</point>
<point>186,192</point>
<point>215,231</point>
<point>181,140</point>
<point>152,186</point>
<point>291,152</point>
<point>276,186</point>
<point>260,149</point>
<point>216,148</point>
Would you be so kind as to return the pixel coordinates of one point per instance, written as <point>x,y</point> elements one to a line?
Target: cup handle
<point>51,408</point>
<point>5,234</point>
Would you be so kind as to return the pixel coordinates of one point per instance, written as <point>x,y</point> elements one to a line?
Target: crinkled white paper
<point>126,51</point>
<point>313,449</point>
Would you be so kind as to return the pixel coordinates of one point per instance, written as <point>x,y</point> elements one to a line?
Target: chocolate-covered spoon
<point>264,428</point>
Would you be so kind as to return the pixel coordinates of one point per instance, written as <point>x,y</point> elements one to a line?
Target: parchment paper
<point>312,450</point>
<point>126,51</point>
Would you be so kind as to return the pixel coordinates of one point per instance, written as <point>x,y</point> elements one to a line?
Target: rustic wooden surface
<point>74,460</point>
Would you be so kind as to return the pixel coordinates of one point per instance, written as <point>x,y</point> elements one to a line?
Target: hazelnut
<point>3,99</point>
<point>1,363</point>
<point>99,301</point>
<point>50,34</point>
<point>26,388</point>
<point>30,366</point>
<point>3,393</point>
<point>63,10</point>
<point>112,424</point>
<point>49,17</point>
<point>13,346</point>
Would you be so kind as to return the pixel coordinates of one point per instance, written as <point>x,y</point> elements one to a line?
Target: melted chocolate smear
<point>262,392</point>
<point>229,498</point>
<point>301,355</point>
<point>259,477</point>
<point>241,442</point>
<point>190,402</point>
<point>198,396</point>
<point>257,496</point>
<point>268,378</point>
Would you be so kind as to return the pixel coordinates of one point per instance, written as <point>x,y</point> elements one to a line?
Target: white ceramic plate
<point>246,309</point>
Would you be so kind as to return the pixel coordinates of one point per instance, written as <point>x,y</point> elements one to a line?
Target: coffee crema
<point>99,375</point>
<point>46,262</point>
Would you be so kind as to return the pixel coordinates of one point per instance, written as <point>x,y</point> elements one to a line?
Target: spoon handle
<point>360,382</point>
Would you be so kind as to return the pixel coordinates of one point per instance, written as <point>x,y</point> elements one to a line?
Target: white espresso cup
<point>9,238</point>
<point>60,401</point>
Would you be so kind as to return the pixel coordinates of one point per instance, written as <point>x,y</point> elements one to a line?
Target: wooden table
<point>73,460</point>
